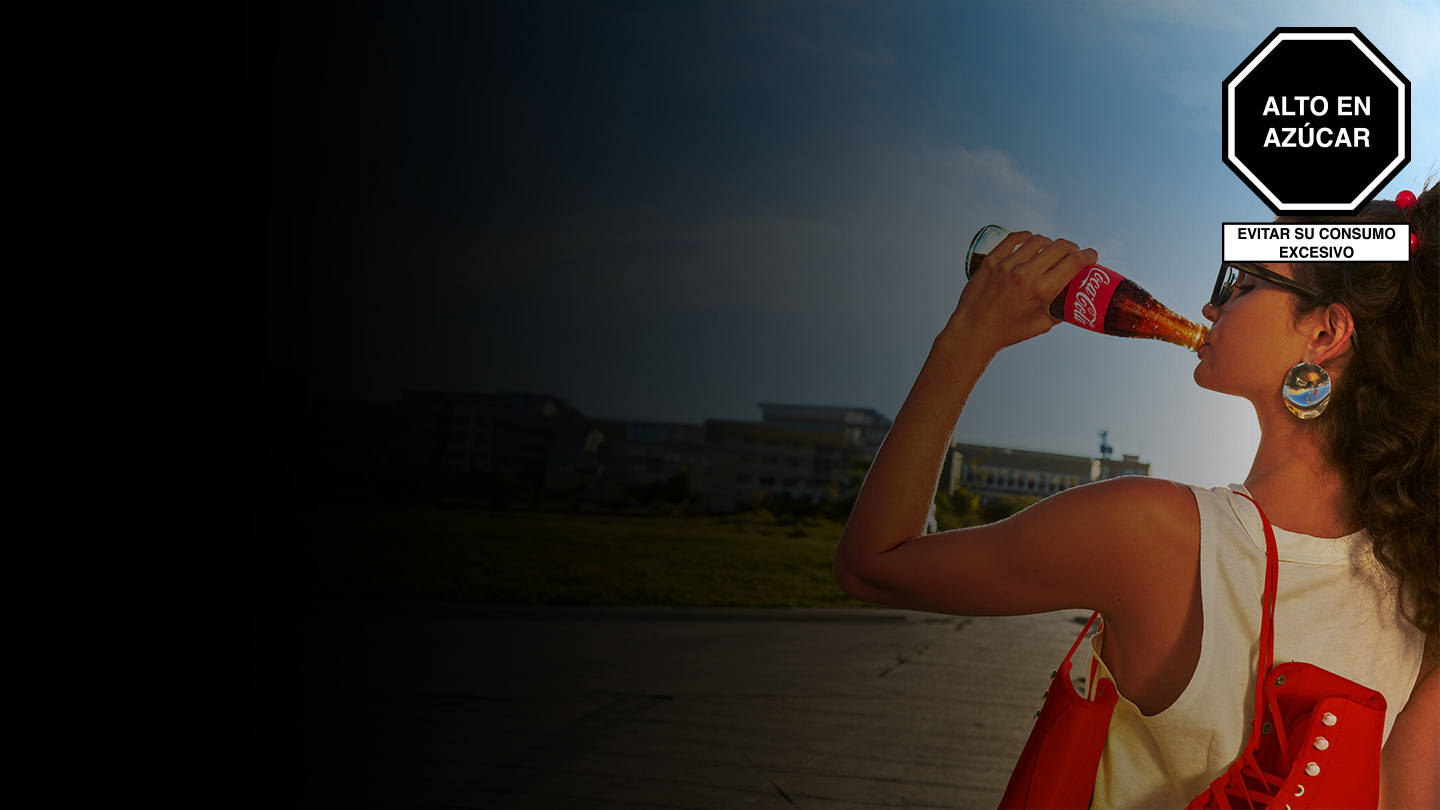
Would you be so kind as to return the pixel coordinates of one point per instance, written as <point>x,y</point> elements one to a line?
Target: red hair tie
<point>1405,201</point>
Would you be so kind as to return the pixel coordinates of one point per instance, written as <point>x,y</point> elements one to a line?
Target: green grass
<point>469,554</point>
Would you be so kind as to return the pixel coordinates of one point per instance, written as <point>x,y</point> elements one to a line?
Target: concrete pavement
<point>492,707</point>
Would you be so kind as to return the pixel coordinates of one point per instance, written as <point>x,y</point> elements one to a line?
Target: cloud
<point>995,166</point>
<point>870,234</point>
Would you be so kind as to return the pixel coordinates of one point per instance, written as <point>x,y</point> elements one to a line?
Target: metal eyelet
<point>1047,694</point>
<point>1321,743</point>
<point>1299,790</point>
<point>1037,712</point>
<point>1266,729</point>
<point>1328,719</point>
<point>1280,681</point>
<point>1312,769</point>
<point>1054,672</point>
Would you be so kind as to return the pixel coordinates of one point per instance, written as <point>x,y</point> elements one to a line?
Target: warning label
<point>1274,242</point>
<point>1316,120</point>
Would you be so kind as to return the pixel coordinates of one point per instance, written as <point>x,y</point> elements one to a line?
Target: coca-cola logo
<point>1084,309</point>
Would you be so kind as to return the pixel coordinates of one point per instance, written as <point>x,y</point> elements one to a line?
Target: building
<point>808,465</point>
<point>864,427</point>
<point>999,472</point>
<point>608,460</point>
<point>469,432</point>
<point>805,451</point>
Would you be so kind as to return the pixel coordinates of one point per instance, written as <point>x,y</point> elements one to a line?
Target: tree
<point>1005,507</point>
<point>957,511</point>
<point>674,490</point>
<point>840,509</point>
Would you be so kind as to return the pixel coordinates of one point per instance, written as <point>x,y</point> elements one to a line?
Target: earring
<point>1307,390</point>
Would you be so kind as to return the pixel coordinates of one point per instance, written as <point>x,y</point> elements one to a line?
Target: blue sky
<point>674,211</point>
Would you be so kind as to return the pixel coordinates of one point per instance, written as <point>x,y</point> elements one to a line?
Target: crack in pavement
<point>902,659</point>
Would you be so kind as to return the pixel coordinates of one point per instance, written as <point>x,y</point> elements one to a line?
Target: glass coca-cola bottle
<point>1102,300</point>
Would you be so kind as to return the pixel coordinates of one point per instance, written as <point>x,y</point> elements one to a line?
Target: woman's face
<point>1253,340</point>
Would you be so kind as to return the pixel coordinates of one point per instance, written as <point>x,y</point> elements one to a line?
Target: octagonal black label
<point>1316,121</point>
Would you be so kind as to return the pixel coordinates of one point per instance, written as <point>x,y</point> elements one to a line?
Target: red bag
<point>1057,768</point>
<point>1304,716</point>
<point>1315,739</point>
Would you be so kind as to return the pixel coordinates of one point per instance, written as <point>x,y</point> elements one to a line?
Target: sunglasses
<point>1232,272</point>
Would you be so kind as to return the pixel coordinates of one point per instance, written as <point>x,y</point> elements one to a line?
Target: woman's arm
<point>1410,761</point>
<point>1004,303</point>
<point>1069,550</point>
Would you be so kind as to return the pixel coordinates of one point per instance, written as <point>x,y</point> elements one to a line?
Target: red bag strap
<point>1081,637</point>
<point>1267,624</point>
<point>1090,681</point>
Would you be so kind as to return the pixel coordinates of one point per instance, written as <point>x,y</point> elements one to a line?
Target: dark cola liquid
<point>1133,312</point>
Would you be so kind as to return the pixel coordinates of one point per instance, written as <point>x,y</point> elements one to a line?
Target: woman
<point>1353,493</point>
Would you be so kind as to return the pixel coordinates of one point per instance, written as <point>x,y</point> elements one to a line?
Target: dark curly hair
<point>1380,431</point>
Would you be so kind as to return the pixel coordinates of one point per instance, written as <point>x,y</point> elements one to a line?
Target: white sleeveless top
<point>1335,609</point>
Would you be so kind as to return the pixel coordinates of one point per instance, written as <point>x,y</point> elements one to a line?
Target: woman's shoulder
<point>1149,553</point>
<point>1132,521</point>
<point>1228,505</point>
<point>1143,500</point>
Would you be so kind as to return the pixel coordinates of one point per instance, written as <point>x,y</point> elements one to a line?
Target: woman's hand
<point>1008,298</point>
